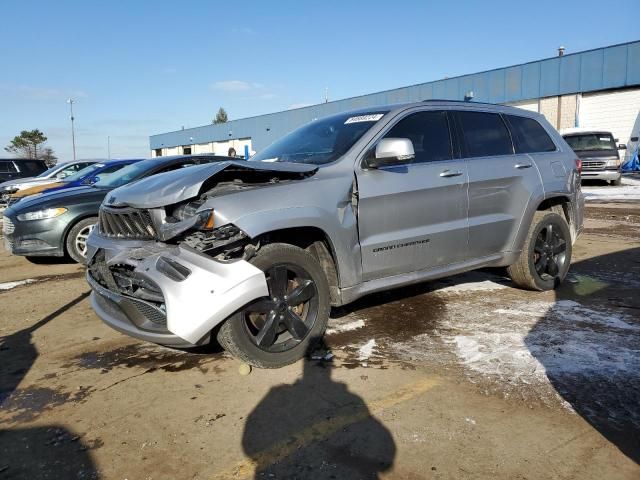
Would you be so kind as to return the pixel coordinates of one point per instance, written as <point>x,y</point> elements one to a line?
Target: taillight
<point>579,165</point>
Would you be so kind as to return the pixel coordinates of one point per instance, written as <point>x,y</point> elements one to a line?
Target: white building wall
<point>617,111</point>
<point>531,105</point>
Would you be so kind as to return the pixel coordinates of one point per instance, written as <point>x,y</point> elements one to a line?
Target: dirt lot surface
<point>462,378</point>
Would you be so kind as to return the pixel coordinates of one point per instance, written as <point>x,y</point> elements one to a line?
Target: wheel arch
<point>559,203</point>
<point>69,227</point>
<point>317,242</point>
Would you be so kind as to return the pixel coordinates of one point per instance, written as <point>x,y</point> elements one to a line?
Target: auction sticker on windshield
<point>365,118</point>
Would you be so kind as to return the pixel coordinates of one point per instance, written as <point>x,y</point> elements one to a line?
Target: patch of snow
<point>10,285</point>
<point>630,190</point>
<point>484,286</point>
<point>365,351</point>
<point>345,327</point>
<point>534,340</point>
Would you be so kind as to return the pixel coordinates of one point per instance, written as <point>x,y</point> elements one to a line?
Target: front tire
<point>546,255</point>
<point>278,330</point>
<point>617,182</point>
<point>77,239</point>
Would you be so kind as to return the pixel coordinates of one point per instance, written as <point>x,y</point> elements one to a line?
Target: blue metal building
<point>589,87</point>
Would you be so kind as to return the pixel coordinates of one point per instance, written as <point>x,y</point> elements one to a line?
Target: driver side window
<point>429,133</point>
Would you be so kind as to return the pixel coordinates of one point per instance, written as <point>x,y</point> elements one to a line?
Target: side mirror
<point>391,150</point>
<point>622,146</point>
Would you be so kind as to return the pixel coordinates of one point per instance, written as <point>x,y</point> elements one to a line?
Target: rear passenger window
<point>529,136</point>
<point>429,133</point>
<point>485,134</point>
<point>8,167</point>
<point>32,167</point>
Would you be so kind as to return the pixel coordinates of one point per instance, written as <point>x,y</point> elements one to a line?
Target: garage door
<point>531,105</point>
<point>617,112</point>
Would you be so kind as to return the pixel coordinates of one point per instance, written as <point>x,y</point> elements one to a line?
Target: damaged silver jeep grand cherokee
<point>254,253</point>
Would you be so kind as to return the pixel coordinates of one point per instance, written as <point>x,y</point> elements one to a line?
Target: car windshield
<point>321,141</point>
<point>51,171</point>
<point>86,171</point>
<point>591,141</point>
<point>126,174</point>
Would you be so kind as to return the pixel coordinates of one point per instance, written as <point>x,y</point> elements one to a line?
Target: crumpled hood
<point>178,185</point>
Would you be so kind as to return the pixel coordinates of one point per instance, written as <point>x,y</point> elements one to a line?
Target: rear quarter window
<point>529,136</point>
<point>7,166</point>
<point>484,134</point>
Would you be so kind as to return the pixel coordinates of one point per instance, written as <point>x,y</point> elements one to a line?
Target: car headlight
<point>203,220</point>
<point>42,214</point>
<point>614,162</point>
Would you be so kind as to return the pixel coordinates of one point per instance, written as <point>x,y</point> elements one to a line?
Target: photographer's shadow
<point>316,428</point>
<point>591,355</point>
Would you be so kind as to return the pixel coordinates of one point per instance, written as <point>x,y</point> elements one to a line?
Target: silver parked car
<point>255,253</point>
<point>54,174</point>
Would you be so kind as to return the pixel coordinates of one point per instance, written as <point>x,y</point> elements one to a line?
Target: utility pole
<point>73,132</point>
<point>108,147</point>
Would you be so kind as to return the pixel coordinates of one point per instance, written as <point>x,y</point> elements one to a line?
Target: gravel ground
<point>462,378</point>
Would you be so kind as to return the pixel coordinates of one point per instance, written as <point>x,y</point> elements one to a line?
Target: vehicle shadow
<point>37,452</point>
<point>316,428</point>
<point>591,352</point>
<point>50,260</point>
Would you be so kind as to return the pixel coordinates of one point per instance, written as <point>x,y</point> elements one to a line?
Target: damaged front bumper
<point>170,295</point>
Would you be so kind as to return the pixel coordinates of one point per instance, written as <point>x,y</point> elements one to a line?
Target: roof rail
<point>466,102</point>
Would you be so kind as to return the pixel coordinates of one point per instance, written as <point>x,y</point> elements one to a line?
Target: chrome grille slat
<point>7,226</point>
<point>126,223</point>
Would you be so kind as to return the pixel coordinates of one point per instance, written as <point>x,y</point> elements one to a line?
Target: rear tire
<point>268,332</point>
<point>546,255</point>
<point>77,239</point>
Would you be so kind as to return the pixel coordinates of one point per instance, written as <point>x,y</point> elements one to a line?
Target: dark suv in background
<point>598,152</point>
<point>12,168</point>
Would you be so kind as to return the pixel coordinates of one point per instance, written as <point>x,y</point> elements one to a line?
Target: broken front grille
<point>126,223</point>
<point>139,298</point>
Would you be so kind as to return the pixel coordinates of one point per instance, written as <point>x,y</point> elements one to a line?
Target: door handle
<point>521,166</point>
<point>449,173</point>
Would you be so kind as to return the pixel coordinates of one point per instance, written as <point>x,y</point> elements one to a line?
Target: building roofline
<point>409,86</point>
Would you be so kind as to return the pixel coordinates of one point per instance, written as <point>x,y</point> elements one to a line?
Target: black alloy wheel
<point>549,252</point>
<point>281,321</point>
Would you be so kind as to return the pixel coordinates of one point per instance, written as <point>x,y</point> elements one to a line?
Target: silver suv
<point>254,253</point>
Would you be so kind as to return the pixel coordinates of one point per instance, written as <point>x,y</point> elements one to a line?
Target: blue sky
<point>137,68</point>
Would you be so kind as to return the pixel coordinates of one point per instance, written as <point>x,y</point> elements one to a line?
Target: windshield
<point>591,141</point>
<point>321,141</point>
<point>80,174</point>
<point>51,170</point>
<point>127,174</point>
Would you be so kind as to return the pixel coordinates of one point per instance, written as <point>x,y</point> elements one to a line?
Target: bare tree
<point>49,157</point>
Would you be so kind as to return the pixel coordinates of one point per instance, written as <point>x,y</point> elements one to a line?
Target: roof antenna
<point>326,94</point>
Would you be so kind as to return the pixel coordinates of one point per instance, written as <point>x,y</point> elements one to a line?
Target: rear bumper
<point>192,305</point>
<point>601,174</point>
